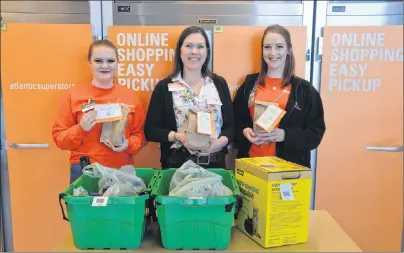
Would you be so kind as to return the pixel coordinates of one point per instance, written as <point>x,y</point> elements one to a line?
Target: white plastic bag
<point>80,191</point>
<point>120,182</point>
<point>191,180</point>
<point>119,190</point>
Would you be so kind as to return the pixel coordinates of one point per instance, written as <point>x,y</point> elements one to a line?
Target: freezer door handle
<point>386,149</point>
<point>23,146</point>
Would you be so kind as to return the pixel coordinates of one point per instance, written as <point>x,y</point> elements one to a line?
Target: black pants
<point>177,157</point>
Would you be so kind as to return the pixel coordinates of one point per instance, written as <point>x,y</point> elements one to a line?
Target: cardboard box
<point>276,200</point>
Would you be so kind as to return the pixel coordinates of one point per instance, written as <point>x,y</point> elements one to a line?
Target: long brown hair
<point>289,70</point>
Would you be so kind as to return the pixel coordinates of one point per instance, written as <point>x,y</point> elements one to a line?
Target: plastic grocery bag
<point>80,191</point>
<point>117,182</point>
<point>120,189</point>
<point>191,180</point>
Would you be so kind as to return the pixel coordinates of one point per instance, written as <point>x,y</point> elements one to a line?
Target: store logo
<point>123,8</point>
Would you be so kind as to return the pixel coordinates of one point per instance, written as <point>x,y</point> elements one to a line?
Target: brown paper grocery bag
<point>193,139</point>
<point>113,131</point>
<point>259,108</point>
<point>261,124</point>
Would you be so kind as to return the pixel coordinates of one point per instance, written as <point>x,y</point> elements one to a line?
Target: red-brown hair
<point>289,70</point>
<point>105,43</point>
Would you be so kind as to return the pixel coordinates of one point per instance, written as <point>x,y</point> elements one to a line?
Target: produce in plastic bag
<point>191,180</point>
<point>118,190</point>
<point>118,182</point>
<point>80,191</point>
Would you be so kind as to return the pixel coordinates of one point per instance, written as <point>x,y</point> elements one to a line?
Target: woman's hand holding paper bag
<point>215,146</point>
<point>87,122</point>
<point>275,135</point>
<point>119,148</point>
<point>251,136</point>
<point>181,137</point>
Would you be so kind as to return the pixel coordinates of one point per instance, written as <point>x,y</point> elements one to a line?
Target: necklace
<point>275,83</point>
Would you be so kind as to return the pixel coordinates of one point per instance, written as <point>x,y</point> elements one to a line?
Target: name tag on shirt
<point>175,87</point>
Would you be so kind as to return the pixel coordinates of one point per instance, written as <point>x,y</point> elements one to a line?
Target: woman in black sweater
<point>302,127</point>
<point>191,87</point>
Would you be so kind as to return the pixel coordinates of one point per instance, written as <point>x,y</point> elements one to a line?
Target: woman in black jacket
<point>191,87</point>
<point>302,128</point>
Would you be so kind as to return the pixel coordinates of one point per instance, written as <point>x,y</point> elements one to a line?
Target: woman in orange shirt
<point>79,133</point>
<point>302,127</point>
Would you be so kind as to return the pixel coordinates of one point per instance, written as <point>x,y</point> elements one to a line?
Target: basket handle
<point>152,208</point>
<point>239,204</point>
<point>61,195</point>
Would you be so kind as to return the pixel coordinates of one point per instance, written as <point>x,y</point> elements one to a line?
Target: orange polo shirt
<point>271,92</point>
<point>68,134</point>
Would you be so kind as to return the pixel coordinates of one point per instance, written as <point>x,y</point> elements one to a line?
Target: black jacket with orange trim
<point>303,122</point>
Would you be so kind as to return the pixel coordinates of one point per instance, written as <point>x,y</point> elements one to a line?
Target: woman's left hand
<point>276,135</point>
<point>120,148</point>
<point>216,145</point>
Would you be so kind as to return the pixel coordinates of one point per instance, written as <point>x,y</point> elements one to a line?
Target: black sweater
<point>303,122</point>
<point>160,118</point>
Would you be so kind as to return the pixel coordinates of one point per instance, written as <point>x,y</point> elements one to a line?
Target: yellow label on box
<point>276,200</point>
<point>273,164</point>
<point>288,220</point>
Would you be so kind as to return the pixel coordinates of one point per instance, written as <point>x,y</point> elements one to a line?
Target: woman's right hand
<point>87,122</point>
<point>251,136</point>
<point>180,137</point>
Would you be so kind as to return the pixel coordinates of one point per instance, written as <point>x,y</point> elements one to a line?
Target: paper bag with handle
<point>267,116</point>
<point>113,131</point>
<point>198,140</point>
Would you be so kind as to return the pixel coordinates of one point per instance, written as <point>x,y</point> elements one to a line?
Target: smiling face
<point>194,52</point>
<point>275,51</point>
<point>103,63</point>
